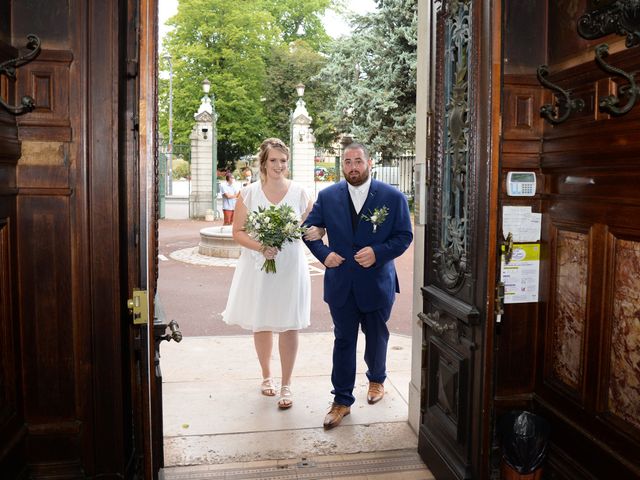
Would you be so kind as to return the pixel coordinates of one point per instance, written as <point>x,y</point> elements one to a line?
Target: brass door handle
<point>433,321</point>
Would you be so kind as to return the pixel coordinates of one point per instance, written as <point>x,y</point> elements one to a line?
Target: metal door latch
<point>139,307</point>
<point>499,301</point>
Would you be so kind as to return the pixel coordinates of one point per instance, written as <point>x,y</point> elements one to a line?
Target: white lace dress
<point>280,301</point>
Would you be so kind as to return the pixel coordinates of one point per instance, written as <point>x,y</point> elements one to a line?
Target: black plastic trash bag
<point>524,437</point>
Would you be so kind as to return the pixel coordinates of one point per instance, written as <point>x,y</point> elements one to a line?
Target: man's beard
<point>356,182</point>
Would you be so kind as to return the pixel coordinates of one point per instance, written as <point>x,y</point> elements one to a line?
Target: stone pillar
<point>200,198</point>
<point>303,148</point>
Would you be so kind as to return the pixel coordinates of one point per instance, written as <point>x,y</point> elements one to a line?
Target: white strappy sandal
<point>285,401</point>
<point>268,387</point>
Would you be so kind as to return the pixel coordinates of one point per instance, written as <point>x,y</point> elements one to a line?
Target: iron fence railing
<point>396,171</point>
<point>166,158</point>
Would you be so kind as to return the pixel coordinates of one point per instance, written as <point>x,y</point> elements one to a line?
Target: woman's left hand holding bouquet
<point>269,252</point>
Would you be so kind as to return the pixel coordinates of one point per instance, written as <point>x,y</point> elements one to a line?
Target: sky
<point>334,24</point>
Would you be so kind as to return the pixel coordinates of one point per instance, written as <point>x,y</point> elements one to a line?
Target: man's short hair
<point>228,176</point>
<point>355,146</point>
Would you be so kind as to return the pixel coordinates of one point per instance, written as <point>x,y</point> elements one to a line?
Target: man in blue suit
<point>368,226</point>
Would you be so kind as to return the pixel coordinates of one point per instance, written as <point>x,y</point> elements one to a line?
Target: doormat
<point>407,463</point>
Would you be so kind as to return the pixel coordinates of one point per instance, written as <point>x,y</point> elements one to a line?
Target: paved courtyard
<point>213,410</point>
<point>193,291</point>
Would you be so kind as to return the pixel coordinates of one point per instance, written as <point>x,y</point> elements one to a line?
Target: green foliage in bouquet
<point>273,227</point>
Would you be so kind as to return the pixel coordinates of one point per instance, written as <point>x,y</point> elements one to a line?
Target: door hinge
<point>132,67</point>
<point>139,307</point>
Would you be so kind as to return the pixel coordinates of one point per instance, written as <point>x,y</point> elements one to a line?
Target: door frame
<point>146,226</point>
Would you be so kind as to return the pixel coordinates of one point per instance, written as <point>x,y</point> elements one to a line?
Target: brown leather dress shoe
<point>335,415</point>
<point>376,392</point>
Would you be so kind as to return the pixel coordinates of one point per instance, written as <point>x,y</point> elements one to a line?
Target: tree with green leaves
<point>232,43</point>
<point>373,78</point>
<point>288,66</point>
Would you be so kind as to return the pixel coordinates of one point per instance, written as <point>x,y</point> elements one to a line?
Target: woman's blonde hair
<point>263,155</point>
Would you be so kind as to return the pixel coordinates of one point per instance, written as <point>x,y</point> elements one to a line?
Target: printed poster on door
<point>521,275</point>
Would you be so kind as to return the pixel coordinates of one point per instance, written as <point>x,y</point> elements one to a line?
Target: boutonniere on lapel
<point>377,217</point>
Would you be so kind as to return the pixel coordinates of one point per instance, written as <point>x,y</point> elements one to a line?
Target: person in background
<point>229,191</point>
<point>271,302</point>
<point>368,225</point>
<point>246,176</point>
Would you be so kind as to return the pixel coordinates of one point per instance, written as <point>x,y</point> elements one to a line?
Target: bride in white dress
<point>271,302</point>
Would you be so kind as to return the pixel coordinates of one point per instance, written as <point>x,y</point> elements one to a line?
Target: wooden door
<point>588,383</point>
<point>13,431</point>
<point>459,257</point>
<point>140,177</point>
<point>573,357</point>
<point>76,199</point>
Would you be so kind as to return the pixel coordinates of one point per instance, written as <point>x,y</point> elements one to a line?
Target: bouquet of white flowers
<point>273,227</point>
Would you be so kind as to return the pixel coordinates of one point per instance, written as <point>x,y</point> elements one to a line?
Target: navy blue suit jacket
<point>374,287</point>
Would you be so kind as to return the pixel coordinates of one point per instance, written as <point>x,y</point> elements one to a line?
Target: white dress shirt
<point>359,194</point>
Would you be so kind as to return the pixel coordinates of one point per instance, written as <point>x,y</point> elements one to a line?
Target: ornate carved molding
<point>451,253</point>
<point>48,80</point>
<point>618,16</point>
<point>204,117</point>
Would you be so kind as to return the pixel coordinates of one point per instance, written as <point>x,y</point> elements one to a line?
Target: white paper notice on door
<point>522,223</point>
<point>521,275</point>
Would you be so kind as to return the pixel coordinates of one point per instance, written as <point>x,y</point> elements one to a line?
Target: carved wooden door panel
<point>76,199</point>
<point>455,291</point>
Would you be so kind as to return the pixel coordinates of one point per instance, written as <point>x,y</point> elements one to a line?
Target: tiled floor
<point>217,423</point>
